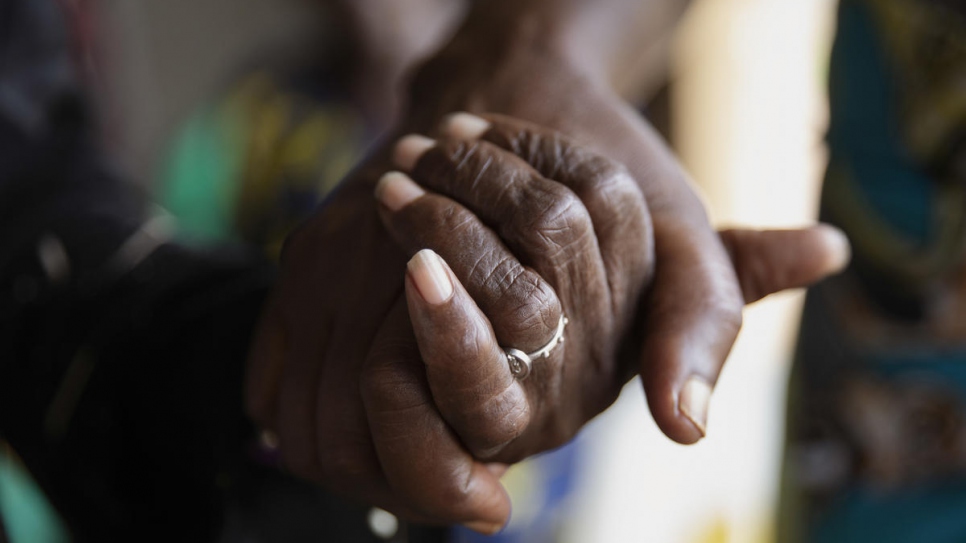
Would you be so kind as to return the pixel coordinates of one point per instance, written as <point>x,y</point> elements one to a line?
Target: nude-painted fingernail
<point>409,149</point>
<point>429,274</point>
<point>840,249</point>
<point>693,402</point>
<point>396,190</point>
<point>483,527</point>
<point>465,126</point>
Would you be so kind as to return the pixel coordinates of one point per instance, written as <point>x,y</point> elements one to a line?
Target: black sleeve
<point>121,354</point>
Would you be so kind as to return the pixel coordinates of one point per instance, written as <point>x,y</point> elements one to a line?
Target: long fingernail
<point>409,149</point>
<point>429,274</point>
<point>464,126</point>
<point>396,190</point>
<point>841,249</point>
<point>483,527</point>
<point>693,402</point>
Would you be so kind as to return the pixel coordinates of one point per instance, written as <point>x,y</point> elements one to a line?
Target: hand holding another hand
<point>530,226</point>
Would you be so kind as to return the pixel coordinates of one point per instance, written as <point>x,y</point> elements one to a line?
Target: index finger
<point>421,457</point>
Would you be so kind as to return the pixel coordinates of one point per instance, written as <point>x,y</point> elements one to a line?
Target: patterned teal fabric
<point>877,417</point>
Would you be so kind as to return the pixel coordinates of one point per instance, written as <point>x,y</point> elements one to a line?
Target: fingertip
<point>396,190</point>
<point>693,402</point>
<point>431,277</point>
<point>672,420</point>
<point>494,507</point>
<point>264,373</point>
<point>678,381</point>
<point>498,469</point>
<point>838,245</point>
<point>464,126</point>
<point>409,149</point>
<point>485,528</point>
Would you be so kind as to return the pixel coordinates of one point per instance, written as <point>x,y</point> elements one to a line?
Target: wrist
<point>527,34</point>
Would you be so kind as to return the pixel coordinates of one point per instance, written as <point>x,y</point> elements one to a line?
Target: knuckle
<point>612,185</point>
<point>465,158</point>
<point>380,382</point>
<point>562,220</point>
<point>501,418</point>
<point>448,221</point>
<point>529,306</point>
<point>455,497</point>
<point>615,179</point>
<point>473,341</point>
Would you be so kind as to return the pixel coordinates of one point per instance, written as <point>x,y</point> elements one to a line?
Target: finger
<point>264,371</point>
<point>468,373</point>
<point>422,459</point>
<point>616,205</point>
<point>769,261</point>
<point>524,307</point>
<point>542,222</point>
<point>295,422</point>
<point>692,317</point>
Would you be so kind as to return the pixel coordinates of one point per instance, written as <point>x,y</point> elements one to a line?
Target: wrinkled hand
<point>394,449</point>
<point>692,312</point>
<point>339,310</point>
<point>575,218</point>
<point>566,234</point>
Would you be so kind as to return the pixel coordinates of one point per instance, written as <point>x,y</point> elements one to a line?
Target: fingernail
<point>409,149</point>
<point>693,402</point>
<point>396,190</point>
<point>483,527</point>
<point>465,126</point>
<point>841,249</point>
<point>429,274</point>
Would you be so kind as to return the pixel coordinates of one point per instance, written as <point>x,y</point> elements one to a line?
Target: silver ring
<point>521,363</point>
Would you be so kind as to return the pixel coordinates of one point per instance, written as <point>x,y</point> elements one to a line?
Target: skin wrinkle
<point>507,287</point>
<point>457,221</point>
<point>596,169</point>
<point>578,164</point>
<point>559,216</point>
<point>474,184</point>
<point>606,191</point>
<point>560,160</point>
<point>462,153</point>
<point>508,420</point>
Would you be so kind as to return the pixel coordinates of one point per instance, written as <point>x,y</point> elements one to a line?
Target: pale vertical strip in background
<point>749,114</point>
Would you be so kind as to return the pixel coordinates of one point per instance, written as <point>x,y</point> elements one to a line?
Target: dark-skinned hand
<point>397,428</point>
<point>335,368</point>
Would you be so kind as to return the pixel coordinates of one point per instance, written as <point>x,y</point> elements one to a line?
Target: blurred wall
<point>159,59</point>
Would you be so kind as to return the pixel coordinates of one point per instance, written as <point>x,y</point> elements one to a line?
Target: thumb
<point>769,261</point>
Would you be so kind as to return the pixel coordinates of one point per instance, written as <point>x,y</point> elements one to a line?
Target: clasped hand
<point>399,393</point>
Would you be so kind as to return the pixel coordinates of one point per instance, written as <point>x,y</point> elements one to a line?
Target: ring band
<point>521,363</point>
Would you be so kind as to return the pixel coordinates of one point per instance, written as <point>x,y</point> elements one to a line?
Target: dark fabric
<point>121,388</point>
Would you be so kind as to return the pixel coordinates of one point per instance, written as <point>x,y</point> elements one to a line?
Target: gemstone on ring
<point>520,363</point>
